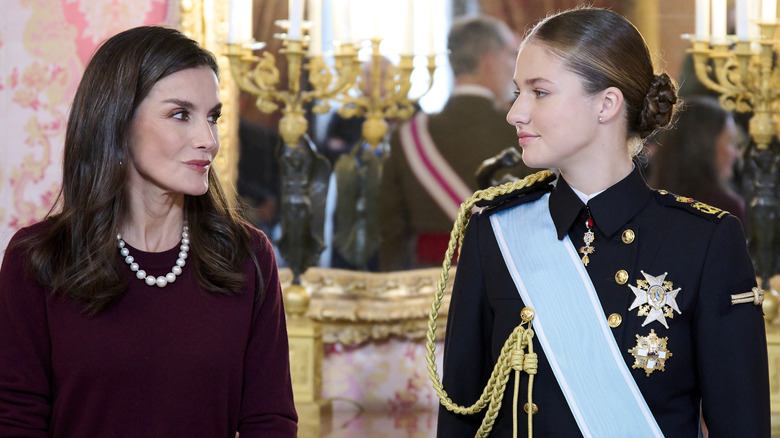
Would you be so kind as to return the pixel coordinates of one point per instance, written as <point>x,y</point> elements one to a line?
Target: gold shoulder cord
<point>512,355</point>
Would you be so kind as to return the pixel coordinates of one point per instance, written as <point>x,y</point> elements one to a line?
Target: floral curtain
<point>44,46</point>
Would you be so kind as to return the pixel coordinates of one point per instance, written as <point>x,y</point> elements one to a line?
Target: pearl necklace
<point>160,281</point>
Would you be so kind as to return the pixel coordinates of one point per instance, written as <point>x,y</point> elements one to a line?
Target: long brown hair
<point>684,162</point>
<point>606,50</point>
<point>77,254</point>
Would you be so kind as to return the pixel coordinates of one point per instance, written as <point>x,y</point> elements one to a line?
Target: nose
<point>519,113</point>
<point>207,136</point>
<point>735,152</point>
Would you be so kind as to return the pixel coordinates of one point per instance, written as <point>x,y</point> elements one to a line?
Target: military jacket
<point>468,130</point>
<point>718,361</point>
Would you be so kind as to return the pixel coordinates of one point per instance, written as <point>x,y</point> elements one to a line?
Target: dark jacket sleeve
<point>731,341</point>
<point>267,407</point>
<point>25,353</point>
<point>467,360</point>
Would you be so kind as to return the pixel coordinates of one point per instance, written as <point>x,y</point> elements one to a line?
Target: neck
<point>153,223</point>
<point>597,175</point>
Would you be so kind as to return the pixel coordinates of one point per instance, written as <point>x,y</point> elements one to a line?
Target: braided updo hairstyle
<point>606,50</point>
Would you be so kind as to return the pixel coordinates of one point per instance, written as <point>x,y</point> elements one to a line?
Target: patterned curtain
<point>520,15</point>
<point>44,46</point>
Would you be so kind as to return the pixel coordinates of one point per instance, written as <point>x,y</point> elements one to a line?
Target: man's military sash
<point>430,168</point>
<point>570,325</point>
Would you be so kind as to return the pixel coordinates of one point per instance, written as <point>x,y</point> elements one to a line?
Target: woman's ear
<point>611,104</point>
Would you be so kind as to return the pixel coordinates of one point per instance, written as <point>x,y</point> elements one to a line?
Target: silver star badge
<point>655,298</point>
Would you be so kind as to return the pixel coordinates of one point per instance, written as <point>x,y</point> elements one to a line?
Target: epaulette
<point>522,195</point>
<point>691,205</point>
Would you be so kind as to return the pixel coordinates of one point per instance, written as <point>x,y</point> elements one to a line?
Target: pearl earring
<point>601,119</point>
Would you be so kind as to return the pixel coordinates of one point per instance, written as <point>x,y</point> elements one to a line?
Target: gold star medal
<point>650,353</point>
<point>655,299</point>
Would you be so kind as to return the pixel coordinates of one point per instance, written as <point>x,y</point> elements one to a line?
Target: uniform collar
<point>473,90</point>
<point>611,209</point>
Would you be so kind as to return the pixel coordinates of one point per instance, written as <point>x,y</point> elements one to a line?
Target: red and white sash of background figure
<point>431,168</point>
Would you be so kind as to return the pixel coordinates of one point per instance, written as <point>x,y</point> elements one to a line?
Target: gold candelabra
<point>263,81</point>
<point>385,93</point>
<point>747,78</point>
<point>304,172</point>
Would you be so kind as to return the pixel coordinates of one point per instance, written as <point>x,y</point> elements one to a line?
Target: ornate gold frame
<point>353,307</point>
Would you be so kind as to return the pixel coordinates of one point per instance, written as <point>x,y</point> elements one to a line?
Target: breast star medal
<point>655,298</point>
<point>650,353</point>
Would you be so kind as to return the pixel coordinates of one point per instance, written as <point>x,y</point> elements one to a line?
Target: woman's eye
<point>540,93</point>
<point>214,117</point>
<point>181,115</point>
<point>516,93</point>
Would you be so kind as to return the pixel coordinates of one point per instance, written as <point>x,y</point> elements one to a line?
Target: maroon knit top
<point>162,362</point>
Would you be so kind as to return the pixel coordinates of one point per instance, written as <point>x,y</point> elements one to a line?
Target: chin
<point>198,190</point>
<point>528,160</point>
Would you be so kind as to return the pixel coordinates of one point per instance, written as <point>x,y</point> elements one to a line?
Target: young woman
<point>642,305</point>
<point>144,307</point>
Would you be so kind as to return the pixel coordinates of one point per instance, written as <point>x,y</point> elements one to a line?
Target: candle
<point>719,21</point>
<point>431,27</point>
<point>407,47</point>
<point>702,19</point>
<point>377,22</point>
<point>295,9</point>
<point>356,17</point>
<point>315,35</point>
<point>743,23</point>
<point>341,29</point>
<point>754,14</point>
<point>240,25</point>
<point>769,11</point>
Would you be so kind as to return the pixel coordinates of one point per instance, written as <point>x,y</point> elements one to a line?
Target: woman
<point>145,306</point>
<point>635,297</point>
<point>696,158</point>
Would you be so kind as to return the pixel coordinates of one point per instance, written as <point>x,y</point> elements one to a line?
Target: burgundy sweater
<point>162,362</point>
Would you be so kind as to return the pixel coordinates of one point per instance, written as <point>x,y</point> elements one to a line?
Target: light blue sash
<point>570,325</point>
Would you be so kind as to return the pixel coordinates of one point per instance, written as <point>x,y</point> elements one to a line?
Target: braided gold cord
<point>521,337</point>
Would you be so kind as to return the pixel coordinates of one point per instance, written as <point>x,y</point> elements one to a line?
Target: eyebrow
<point>533,81</point>
<point>189,105</point>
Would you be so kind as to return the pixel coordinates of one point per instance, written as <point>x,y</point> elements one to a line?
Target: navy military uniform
<point>718,350</point>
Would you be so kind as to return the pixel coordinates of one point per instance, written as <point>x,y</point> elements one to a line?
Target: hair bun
<point>659,105</point>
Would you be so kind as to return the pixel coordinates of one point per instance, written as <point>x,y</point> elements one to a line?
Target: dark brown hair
<point>606,50</point>
<point>77,254</point>
<point>684,162</point>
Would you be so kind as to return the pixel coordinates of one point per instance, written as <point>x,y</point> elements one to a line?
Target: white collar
<point>585,198</point>
<point>472,90</point>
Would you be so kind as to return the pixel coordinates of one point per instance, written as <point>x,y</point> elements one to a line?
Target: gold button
<point>663,192</point>
<point>527,314</point>
<point>614,320</point>
<point>628,236</point>
<point>621,276</point>
<point>535,408</point>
